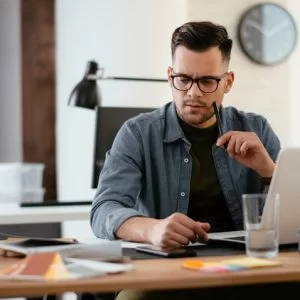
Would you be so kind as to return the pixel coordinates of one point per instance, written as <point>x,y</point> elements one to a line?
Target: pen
<point>221,132</point>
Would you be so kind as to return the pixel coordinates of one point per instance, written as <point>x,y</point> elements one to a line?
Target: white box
<point>36,196</point>
<point>32,175</point>
<point>10,175</point>
<point>8,195</point>
<point>27,176</point>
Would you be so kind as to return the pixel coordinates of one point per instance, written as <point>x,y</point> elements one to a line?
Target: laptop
<point>285,182</point>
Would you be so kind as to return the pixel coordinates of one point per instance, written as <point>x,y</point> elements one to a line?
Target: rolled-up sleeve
<point>119,183</point>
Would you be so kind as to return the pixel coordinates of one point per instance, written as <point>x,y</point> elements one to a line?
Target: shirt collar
<point>224,119</point>
<point>173,129</point>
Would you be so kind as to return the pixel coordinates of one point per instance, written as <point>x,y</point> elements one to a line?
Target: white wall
<point>293,88</point>
<point>10,82</point>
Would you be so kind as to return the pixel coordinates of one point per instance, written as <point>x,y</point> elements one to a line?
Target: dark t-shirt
<point>206,203</point>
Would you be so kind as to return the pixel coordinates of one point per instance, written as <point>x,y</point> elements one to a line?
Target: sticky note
<point>251,262</point>
<point>210,266</point>
<point>193,264</point>
<point>229,265</point>
<point>215,268</point>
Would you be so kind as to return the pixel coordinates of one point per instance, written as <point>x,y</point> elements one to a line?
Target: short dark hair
<point>200,36</point>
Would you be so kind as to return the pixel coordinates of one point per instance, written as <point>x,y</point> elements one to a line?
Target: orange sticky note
<point>193,264</point>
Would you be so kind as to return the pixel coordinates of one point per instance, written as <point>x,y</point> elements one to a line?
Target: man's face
<point>195,106</point>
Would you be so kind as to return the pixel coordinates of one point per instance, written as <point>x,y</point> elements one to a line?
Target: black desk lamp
<point>87,95</point>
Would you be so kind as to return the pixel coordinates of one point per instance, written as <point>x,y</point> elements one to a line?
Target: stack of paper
<point>101,249</point>
<point>51,266</point>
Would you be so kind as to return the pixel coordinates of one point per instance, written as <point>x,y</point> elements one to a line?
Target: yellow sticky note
<point>251,262</point>
<point>56,269</point>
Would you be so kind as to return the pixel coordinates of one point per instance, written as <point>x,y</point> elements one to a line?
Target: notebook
<point>285,182</point>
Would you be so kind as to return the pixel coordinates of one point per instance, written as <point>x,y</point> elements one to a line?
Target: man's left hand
<point>247,149</point>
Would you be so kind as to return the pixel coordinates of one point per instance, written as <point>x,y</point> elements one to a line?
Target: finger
<point>250,144</point>
<point>178,238</point>
<point>205,226</point>
<point>185,221</point>
<point>231,146</point>
<point>244,148</point>
<point>222,140</point>
<point>238,143</point>
<point>190,223</point>
<point>170,244</point>
<point>184,231</point>
<point>195,227</point>
<point>200,231</point>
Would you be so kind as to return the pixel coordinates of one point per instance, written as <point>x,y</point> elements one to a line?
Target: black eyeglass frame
<point>196,80</point>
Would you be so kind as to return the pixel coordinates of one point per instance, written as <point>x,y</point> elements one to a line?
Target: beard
<point>195,118</point>
<point>198,120</point>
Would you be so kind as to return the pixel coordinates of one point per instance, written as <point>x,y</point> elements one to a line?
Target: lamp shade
<point>86,94</point>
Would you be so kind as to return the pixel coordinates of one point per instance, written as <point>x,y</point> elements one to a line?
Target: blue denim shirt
<point>147,171</point>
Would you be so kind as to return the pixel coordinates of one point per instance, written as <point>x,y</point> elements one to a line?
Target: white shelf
<point>14,214</point>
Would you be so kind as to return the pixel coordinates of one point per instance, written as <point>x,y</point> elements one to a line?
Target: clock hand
<point>257,26</point>
<point>277,28</point>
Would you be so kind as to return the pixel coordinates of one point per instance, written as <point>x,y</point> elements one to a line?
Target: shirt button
<point>182,194</point>
<point>186,160</point>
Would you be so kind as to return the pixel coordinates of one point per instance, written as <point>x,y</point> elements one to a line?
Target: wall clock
<point>267,33</point>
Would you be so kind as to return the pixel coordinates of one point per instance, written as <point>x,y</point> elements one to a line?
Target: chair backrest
<point>108,122</point>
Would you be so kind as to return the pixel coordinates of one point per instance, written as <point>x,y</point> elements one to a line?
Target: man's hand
<point>247,149</point>
<point>176,230</point>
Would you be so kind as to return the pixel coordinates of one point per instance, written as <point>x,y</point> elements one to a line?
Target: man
<point>168,179</point>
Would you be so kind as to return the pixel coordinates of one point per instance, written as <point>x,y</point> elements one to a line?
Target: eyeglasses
<point>206,84</point>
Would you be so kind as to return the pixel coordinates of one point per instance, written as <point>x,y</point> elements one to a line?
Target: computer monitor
<point>108,122</point>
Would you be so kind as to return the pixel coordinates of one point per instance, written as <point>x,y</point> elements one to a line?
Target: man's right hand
<point>176,231</point>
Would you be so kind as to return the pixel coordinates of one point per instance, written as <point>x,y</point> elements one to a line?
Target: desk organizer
<point>21,182</point>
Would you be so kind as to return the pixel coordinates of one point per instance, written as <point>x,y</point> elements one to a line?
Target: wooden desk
<point>157,274</point>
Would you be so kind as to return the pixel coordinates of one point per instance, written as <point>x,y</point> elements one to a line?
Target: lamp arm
<point>97,76</point>
<point>137,79</point>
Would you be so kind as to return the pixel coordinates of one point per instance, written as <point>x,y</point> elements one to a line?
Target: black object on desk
<point>181,252</point>
<point>213,249</point>
<point>54,203</point>
<point>201,251</point>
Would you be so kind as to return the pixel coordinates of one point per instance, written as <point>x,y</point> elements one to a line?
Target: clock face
<point>267,33</point>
